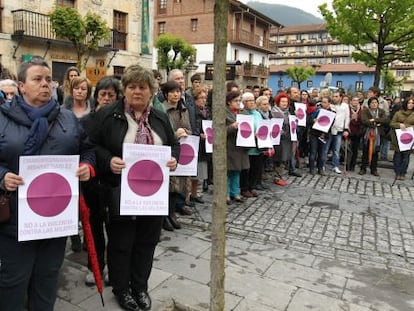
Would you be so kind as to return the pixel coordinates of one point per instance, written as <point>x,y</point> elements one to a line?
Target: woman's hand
<point>172,164</point>
<point>402,126</point>
<point>235,125</point>
<point>83,172</point>
<point>117,164</point>
<point>12,181</point>
<point>202,136</point>
<point>180,132</point>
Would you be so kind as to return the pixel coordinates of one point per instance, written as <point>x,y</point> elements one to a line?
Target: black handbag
<point>5,206</point>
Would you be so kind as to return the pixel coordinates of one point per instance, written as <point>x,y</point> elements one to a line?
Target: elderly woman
<point>9,87</point>
<point>202,113</point>
<point>373,120</point>
<point>179,117</point>
<point>237,157</point>
<point>249,179</point>
<point>131,240</point>
<point>107,91</point>
<point>34,124</point>
<point>285,150</point>
<point>402,119</point>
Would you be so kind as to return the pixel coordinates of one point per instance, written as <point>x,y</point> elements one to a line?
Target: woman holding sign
<point>402,119</point>
<point>34,124</point>
<point>131,239</point>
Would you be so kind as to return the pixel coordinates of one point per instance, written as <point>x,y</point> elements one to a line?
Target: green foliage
<point>84,32</point>
<point>300,73</point>
<point>384,23</point>
<point>390,83</point>
<point>183,52</point>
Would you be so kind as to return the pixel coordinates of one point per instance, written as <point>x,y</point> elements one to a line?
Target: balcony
<point>28,25</point>
<point>255,71</point>
<point>250,40</point>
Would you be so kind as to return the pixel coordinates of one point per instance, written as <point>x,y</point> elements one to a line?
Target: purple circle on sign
<point>49,194</point>
<point>245,129</point>
<point>275,130</point>
<point>406,138</point>
<point>324,120</point>
<point>209,134</point>
<point>293,126</point>
<point>262,132</point>
<point>145,178</point>
<point>300,113</point>
<point>186,154</point>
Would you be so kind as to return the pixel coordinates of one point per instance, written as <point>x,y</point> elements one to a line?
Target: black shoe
<point>76,245</point>
<point>127,302</point>
<point>166,224</point>
<point>185,211</point>
<point>295,174</point>
<point>190,204</point>
<point>143,300</point>
<point>363,171</point>
<point>174,222</point>
<point>312,172</point>
<point>197,200</point>
<point>258,187</point>
<point>321,172</point>
<point>205,185</point>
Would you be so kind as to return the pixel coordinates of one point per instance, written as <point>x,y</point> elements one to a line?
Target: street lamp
<point>360,84</point>
<point>280,82</point>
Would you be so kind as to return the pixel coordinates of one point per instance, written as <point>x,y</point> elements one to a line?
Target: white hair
<point>8,82</point>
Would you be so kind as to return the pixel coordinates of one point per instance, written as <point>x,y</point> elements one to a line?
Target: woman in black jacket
<point>131,240</point>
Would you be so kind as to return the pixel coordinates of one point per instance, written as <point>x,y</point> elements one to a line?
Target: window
<point>118,70</point>
<point>251,58</point>
<point>162,6</point>
<point>70,3</point>
<point>401,73</point>
<point>309,84</point>
<point>336,60</point>
<point>120,30</point>
<point>194,24</point>
<point>161,28</point>
<point>339,84</point>
<point>236,54</point>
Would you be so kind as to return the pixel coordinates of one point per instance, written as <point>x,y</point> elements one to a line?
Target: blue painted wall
<point>348,80</point>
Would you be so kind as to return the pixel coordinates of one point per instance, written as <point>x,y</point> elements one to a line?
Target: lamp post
<point>189,68</point>
<point>360,83</point>
<point>280,82</point>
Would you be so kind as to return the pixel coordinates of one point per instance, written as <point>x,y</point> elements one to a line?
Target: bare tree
<point>218,229</point>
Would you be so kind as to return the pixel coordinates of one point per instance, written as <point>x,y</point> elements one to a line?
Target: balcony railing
<point>250,39</point>
<point>248,70</point>
<point>37,25</point>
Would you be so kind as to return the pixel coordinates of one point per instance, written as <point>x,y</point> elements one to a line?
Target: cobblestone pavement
<point>324,243</point>
<point>353,218</point>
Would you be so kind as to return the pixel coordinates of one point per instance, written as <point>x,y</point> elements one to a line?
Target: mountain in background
<point>284,14</point>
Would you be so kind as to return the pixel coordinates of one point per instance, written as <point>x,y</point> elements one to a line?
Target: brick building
<point>25,31</point>
<point>248,35</point>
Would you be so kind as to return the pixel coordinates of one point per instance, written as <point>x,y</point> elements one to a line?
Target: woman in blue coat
<point>34,124</point>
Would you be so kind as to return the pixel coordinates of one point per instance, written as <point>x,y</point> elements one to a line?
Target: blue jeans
<point>401,161</point>
<point>335,145</point>
<point>233,183</point>
<point>384,147</point>
<point>316,153</point>
<point>31,268</point>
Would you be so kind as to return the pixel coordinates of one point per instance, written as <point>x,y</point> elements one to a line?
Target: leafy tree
<point>391,83</point>
<point>300,73</point>
<point>383,23</point>
<point>218,224</point>
<point>174,52</point>
<point>84,32</point>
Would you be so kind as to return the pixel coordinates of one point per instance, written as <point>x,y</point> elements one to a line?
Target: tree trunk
<point>218,231</point>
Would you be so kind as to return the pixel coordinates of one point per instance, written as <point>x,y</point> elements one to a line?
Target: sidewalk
<point>321,243</point>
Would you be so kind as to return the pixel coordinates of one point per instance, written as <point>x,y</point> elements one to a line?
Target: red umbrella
<point>90,245</point>
<point>371,141</point>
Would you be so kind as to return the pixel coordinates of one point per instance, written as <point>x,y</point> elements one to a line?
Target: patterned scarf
<point>144,132</point>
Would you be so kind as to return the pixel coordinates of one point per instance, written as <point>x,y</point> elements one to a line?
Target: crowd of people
<point>137,107</point>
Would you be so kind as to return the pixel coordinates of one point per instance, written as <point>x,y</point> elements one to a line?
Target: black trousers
<point>31,268</point>
<point>131,246</point>
<point>355,142</point>
<point>251,177</point>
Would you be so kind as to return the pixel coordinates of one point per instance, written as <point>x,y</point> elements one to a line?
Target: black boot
<point>174,221</point>
<point>166,224</point>
<point>205,185</point>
